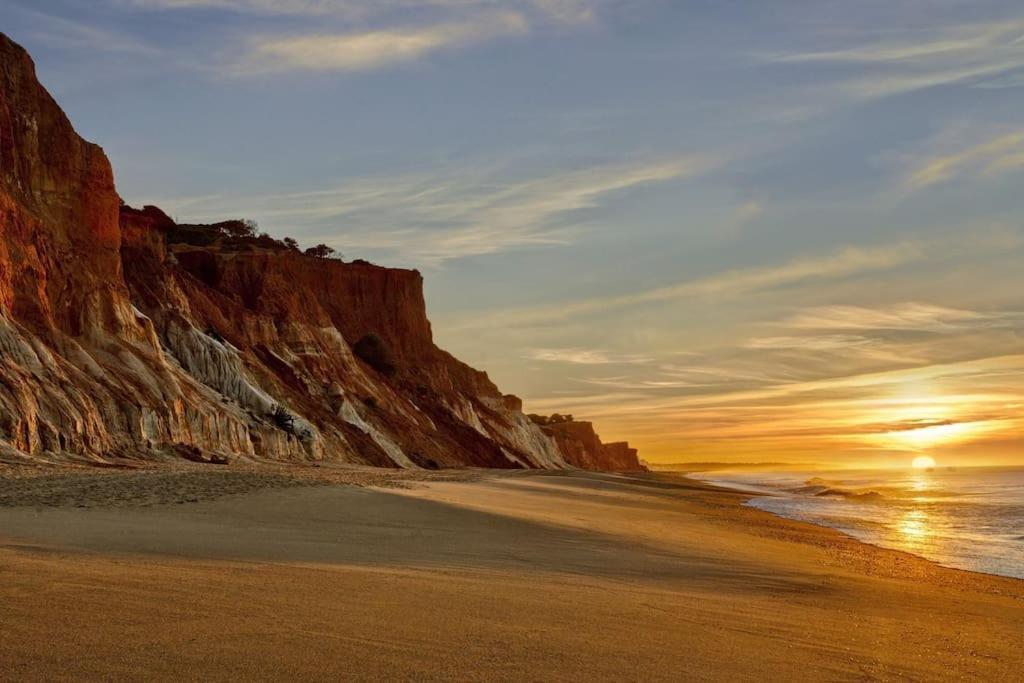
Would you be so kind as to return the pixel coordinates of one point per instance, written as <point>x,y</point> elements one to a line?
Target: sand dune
<point>513,576</point>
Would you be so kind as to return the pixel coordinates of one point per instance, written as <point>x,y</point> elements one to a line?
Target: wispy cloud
<point>827,415</point>
<point>272,7</point>
<point>923,58</point>
<point>566,11</point>
<point>922,46</point>
<point>997,155</point>
<point>748,211</point>
<point>372,49</point>
<point>829,342</point>
<point>841,379</point>
<point>359,35</point>
<point>569,11</point>
<point>900,334</point>
<point>427,219</point>
<point>907,316</point>
<point>586,357</point>
<point>842,263</point>
<point>68,34</point>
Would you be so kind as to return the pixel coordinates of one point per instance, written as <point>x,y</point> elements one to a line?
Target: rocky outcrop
<point>118,340</point>
<point>582,447</point>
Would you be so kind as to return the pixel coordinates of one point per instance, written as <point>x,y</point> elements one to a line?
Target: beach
<point>229,574</point>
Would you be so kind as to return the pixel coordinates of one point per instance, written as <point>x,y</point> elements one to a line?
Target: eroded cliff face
<point>582,447</point>
<point>116,342</point>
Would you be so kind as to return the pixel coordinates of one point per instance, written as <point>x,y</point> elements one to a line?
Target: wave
<point>822,488</point>
<point>969,519</point>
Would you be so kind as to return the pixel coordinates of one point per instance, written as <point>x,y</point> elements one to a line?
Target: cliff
<point>582,447</point>
<point>120,340</point>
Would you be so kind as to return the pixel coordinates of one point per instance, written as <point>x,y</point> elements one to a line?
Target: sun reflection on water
<point>914,526</point>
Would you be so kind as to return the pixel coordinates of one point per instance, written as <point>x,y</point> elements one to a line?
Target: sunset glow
<point>923,462</point>
<point>928,437</point>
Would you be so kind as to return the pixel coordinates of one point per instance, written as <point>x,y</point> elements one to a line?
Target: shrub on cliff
<point>544,420</point>
<point>283,419</point>
<point>232,235</point>
<point>372,350</point>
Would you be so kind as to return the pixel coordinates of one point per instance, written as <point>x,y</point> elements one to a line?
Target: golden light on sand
<point>923,462</point>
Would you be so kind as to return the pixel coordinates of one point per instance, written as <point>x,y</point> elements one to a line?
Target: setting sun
<point>923,462</point>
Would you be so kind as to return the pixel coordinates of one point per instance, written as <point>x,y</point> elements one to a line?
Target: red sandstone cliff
<point>118,342</point>
<point>582,447</point>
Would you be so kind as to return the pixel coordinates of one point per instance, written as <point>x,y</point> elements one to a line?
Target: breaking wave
<point>970,518</point>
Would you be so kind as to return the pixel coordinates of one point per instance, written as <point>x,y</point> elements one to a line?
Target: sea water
<point>967,518</point>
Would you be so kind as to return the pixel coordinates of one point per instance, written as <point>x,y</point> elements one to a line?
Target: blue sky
<point>720,229</point>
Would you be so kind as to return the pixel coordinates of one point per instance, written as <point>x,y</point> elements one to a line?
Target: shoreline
<point>783,521</point>
<point>751,495</point>
<point>256,477</point>
<point>569,575</point>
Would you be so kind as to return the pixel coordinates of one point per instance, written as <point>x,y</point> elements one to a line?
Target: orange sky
<point>840,385</point>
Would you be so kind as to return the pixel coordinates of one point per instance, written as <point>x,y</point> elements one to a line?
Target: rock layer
<point>116,342</point>
<point>581,447</point>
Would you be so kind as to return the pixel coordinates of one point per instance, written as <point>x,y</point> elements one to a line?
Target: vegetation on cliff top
<point>239,235</point>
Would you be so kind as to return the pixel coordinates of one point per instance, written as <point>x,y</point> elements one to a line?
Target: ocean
<point>967,518</point>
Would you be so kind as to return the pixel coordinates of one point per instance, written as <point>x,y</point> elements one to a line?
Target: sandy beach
<point>224,574</point>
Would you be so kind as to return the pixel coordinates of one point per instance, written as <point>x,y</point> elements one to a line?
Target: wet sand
<point>237,575</point>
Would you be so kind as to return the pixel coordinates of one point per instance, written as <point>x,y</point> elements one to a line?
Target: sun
<point>923,462</point>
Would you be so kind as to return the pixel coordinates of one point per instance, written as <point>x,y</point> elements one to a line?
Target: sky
<point>723,230</point>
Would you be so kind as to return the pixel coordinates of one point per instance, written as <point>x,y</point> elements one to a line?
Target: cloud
<point>842,263</point>
<point>358,35</point>
<point>907,316</point>
<point>927,47</point>
<point>830,342</point>
<point>833,409</point>
<point>372,49</point>
<point>650,385</point>
<point>749,211</point>
<point>271,7</point>
<point>894,335</point>
<point>551,11</point>
<point>845,374</point>
<point>568,11</point>
<point>923,58</point>
<point>586,357</point>
<point>430,218</point>
<point>73,35</point>
<point>997,155</point>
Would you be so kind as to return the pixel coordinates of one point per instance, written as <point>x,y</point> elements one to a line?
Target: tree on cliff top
<point>322,251</point>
